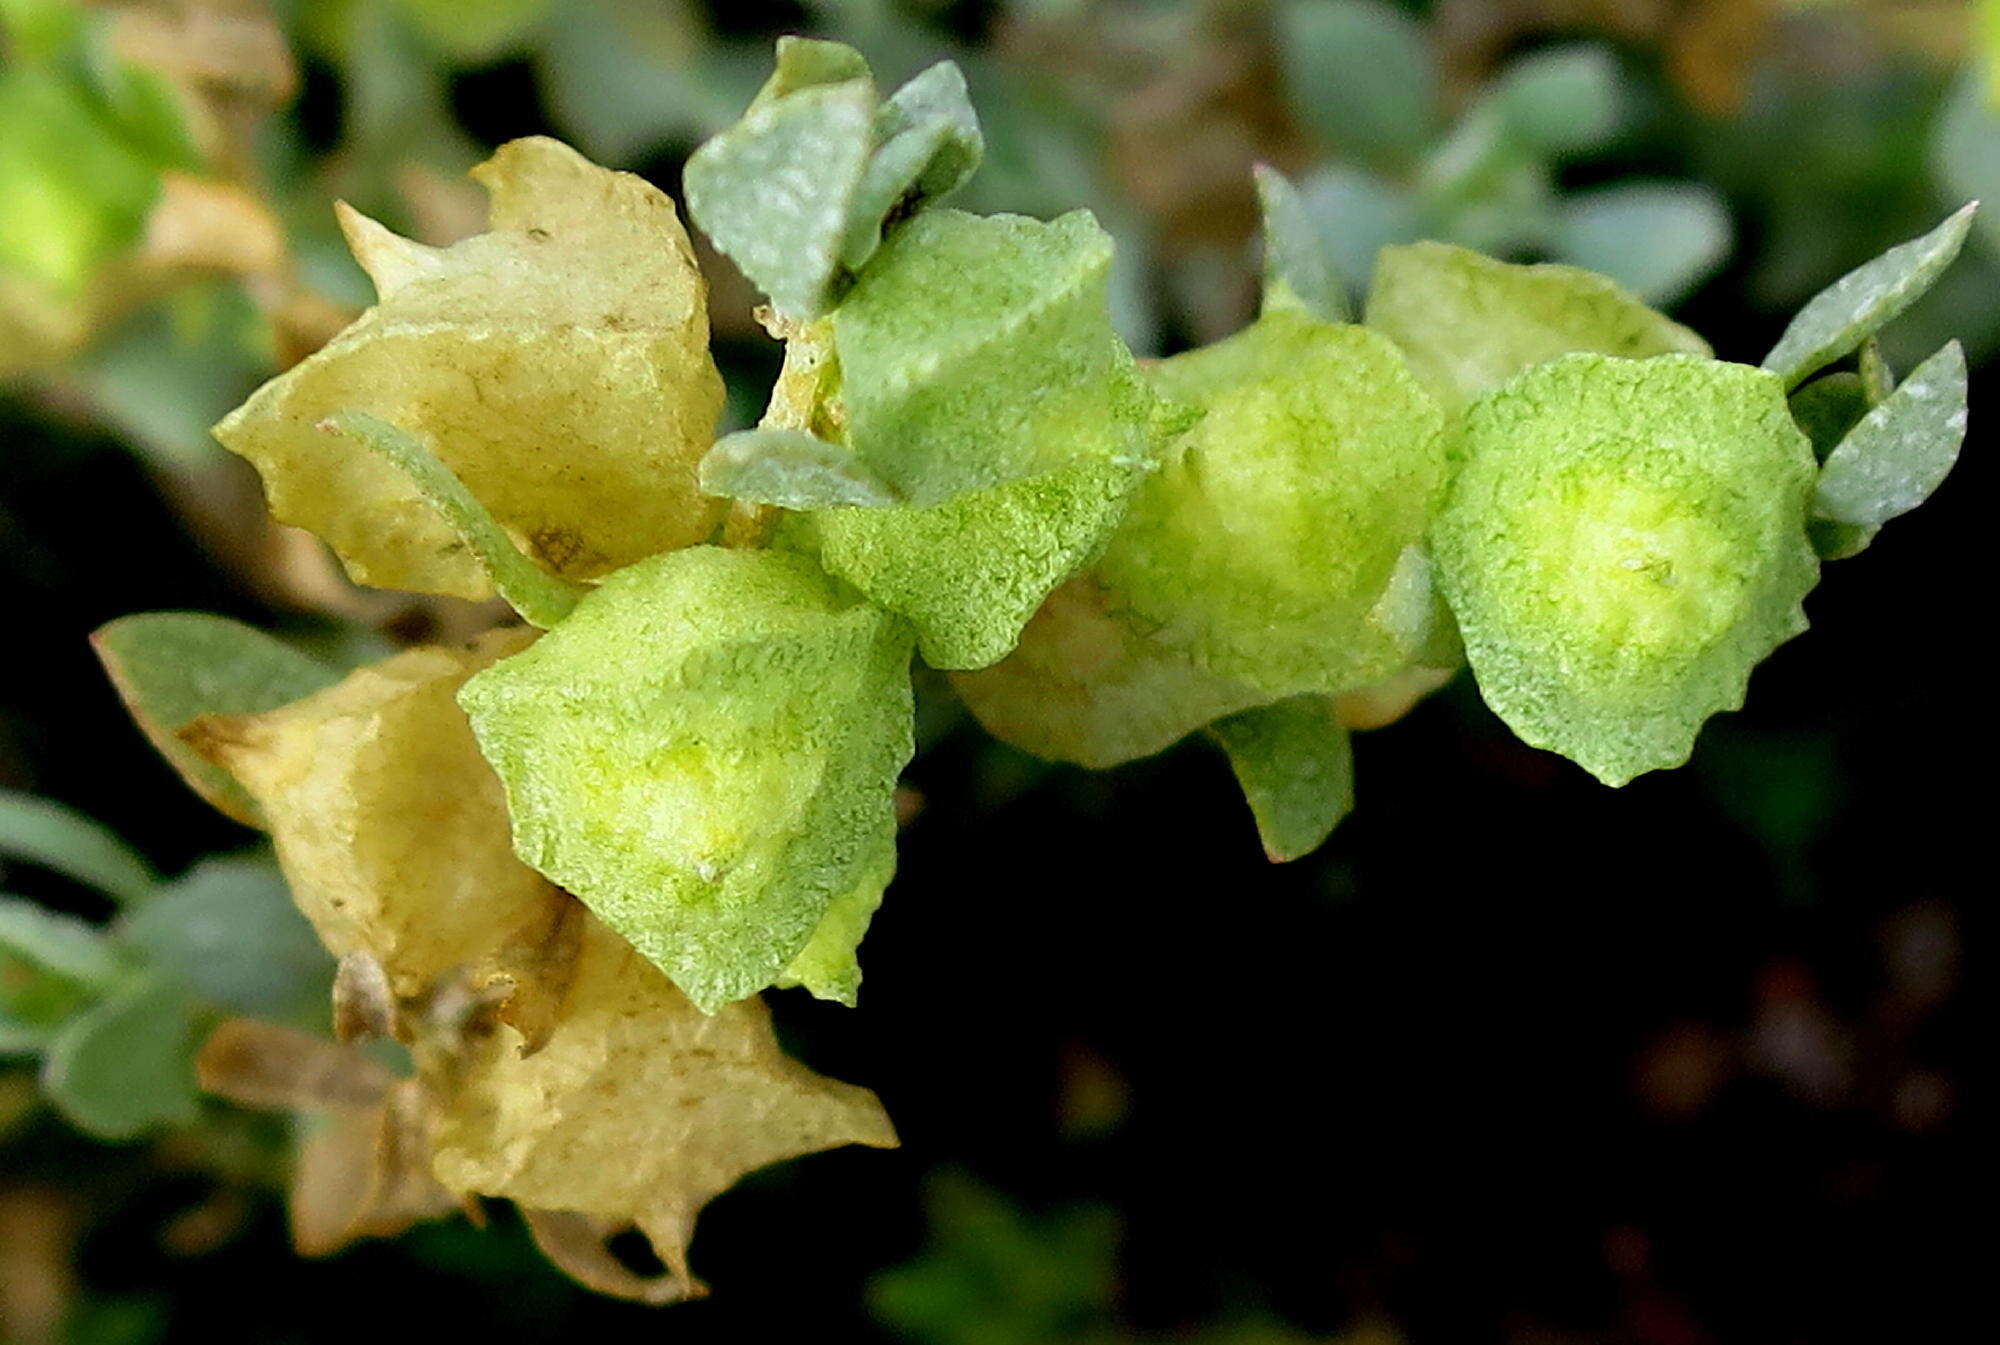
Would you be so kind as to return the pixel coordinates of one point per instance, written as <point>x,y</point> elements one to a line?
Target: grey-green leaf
<point>1359,74</point>
<point>1852,309</point>
<point>1297,271</point>
<point>790,469</point>
<point>1658,239</point>
<point>936,98</point>
<point>776,191</point>
<point>126,1066</point>
<point>1902,449</point>
<point>38,831</point>
<point>228,928</point>
<point>71,948</point>
<point>170,668</point>
<point>1296,766</point>
<point>1563,100</point>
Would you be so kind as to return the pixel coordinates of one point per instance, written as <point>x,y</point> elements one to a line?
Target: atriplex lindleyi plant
<point>561,864</point>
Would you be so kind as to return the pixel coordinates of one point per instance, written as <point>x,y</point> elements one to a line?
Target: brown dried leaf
<point>366,1175</point>
<point>263,1065</point>
<point>576,1244</point>
<point>364,1003</point>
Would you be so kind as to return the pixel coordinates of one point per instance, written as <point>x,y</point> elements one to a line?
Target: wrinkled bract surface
<point>1264,547</point>
<point>705,753</point>
<point>640,1108</point>
<point>557,364</point>
<point>390,827</point>
<point>1623,542</point>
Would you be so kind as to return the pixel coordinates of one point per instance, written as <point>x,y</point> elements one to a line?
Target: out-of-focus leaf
<point>228,929</point>
<point>51,966</point>
<point>160,385</point>
<point>1262,547</point>
<point>126,1066</point>
<point>623,76</point>
<point>390,828</point>
<point>1624,540</point>
<point>978,350</point>
<point>1852,309</point>
<point>790,469</point>
<point>640,1108</point>
<point>1296,767</point>
<point>1562,100</point>
<point>1470,323</point>
<point>77,189</point>
<point>1658,239</point>
<point>705,754</point>
<point>1965,149</point>
<point>992,1276</point>
<point>541,598</point>
<point>579,319</point>
<point>1357,214</point>
<point>1084,686</point>
<point>1482,188</point>
<point>52,941</point>
<point>475,33</point>
<point>1899,453</point>
<point>43,832</point>
<point>1297,271</point>
<point>1359,74</point>
<point>170,668</point>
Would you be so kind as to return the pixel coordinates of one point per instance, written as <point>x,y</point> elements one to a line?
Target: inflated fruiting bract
<point>1624,541</point>
<point>557,364</point>
<point>1269,546</point>
<point>561,864</point>
<point>706,754</point>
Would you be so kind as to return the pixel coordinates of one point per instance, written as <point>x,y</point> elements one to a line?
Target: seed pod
<point>557,365</point>
<point>1623,541</point>
<point>1278,544</point>
<point>705,753</point>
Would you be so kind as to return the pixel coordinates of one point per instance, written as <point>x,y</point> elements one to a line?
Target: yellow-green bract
<point>1470,323</point>
<point>705,752</point>
<point>968,573</point>
<point>1274,546</point>
<point>1622,542</point>
<point>978,350</point>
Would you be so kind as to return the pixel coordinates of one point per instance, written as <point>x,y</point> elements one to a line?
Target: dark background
<point>1514,1058</point>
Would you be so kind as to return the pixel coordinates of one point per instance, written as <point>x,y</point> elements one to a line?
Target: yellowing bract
<point>1084,686</point>
<point>705,752</point>
<point>1470,323</point>
<point>1274,545</point>
<point>639,1108</point>
<point>390,828</point>
<point>1623,541</point>
<point>557,364</point>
